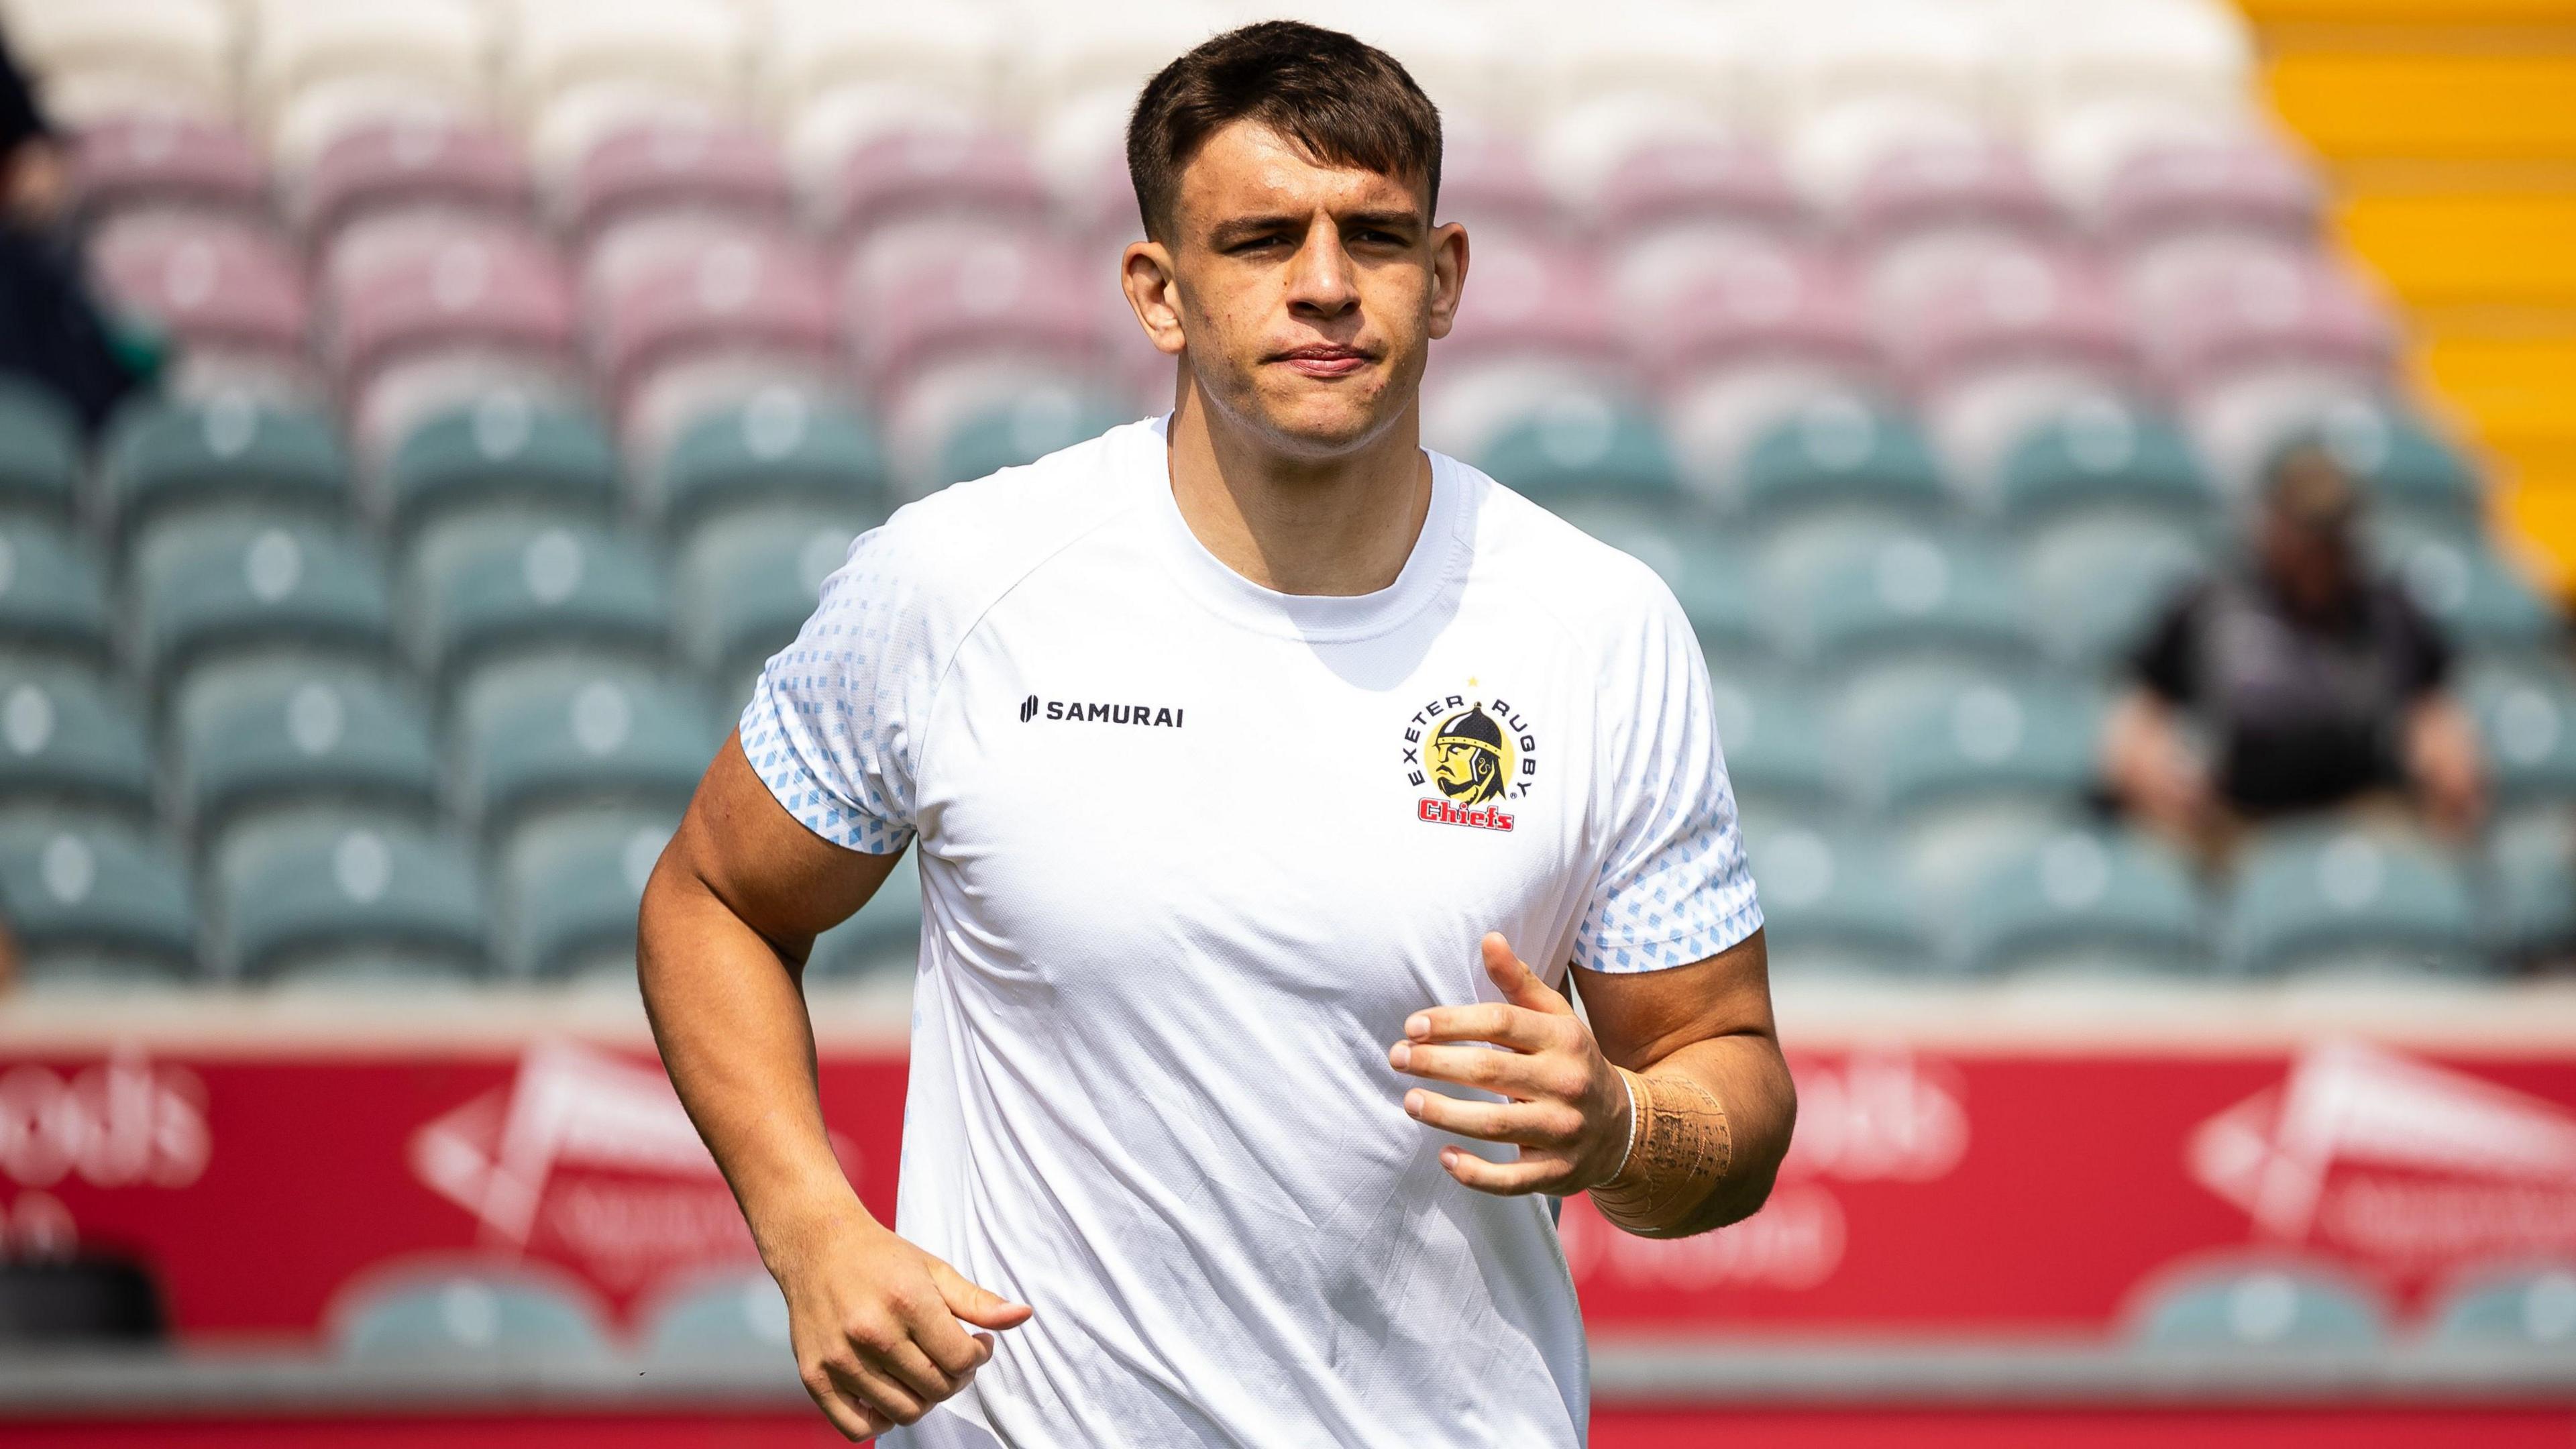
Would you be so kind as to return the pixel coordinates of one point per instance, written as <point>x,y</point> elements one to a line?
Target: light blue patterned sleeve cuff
<point>777,755</point>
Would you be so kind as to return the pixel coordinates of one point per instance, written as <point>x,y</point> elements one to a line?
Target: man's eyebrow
<point>1248,226</point>
<point>1385,220</point>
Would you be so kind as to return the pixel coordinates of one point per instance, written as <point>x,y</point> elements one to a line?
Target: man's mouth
<point>1322,360</point>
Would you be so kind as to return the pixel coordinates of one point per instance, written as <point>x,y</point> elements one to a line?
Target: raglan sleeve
<point>834,726</point>
<point>1673,886</point>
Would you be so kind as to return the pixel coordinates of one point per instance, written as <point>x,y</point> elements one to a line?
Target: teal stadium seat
<point>883,938</point>
<point>53,599</point>
<point>205,587</point>
<point>2103,455</point>
<point>2096,583</point>
<point>2531,884</point>
<point>1581,446</point>
<point>2255,1307</point>
<point>496,1316</point>
<point>500,448</point>
<point>570,887</point>
<point>1022,429</point>
<point>2081,900</point>
<point>344,896</point>
<point>2526,713</point>
<point>66,739</point>
<point>1841,453</point>
<point>748,581</point>
<point>1925,740</point>
<point>2350,898</point>
<point>2531,1306</point>
<point>2407,470</point>
<point>736,1318</point>
<point>92,899</point>
<point>1768,726</point>
<point>2477,598</point>
<point>1834,901</point>
<point>163,456</point>
<point>1849,594</point>
<point>271,733</point>
<point>1709,576</point>
<point>40,450</point>
<point>486,585</point>
<point>781,444</point>
<point>542,733</point>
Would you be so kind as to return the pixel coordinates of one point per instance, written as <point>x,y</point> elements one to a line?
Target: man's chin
<point>1325,419</point>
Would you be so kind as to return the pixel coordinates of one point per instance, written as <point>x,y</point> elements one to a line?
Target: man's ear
<point>1448,275</point>
<point>1154,292</point>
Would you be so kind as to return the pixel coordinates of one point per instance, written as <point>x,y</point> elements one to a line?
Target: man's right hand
<point>875,1322</point>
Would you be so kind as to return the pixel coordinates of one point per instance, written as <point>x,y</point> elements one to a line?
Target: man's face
<point>1306,296</point>
<point>2311,563</point>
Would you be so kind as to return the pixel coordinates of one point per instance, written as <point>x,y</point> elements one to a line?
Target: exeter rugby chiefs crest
<point>1474,756</point>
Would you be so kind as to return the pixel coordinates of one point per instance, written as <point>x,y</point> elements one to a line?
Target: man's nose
<point>1321,283</point>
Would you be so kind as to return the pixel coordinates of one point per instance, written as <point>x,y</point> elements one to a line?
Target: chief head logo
<point>1470,757</point>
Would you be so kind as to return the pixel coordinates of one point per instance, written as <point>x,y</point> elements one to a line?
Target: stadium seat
<point>742,291</point>
<point>337,896</point>
<point>736,1317</point>
<point>675,164</point>
<point>2256,309</point>
<point>1840,453</point>
<point>225,583</point>
<point>2101,452</point>
<point>91,900</point>
<point>1947,738</point>
<point>446,285</point>
<point>747,582</point>
<point>538,733</point>
<point>404,162</point>
<point>2476,598</point>
<point>2531,884</point>
<point>163,159</point>
<point>277,732</point>
<point>906,178</point>
<point>503,447</point>
<point>220,285</point>
<point>779,444</point>
<point>570,885</point>
<point>52,599</point>
<point>1986,185</point>
<point>1542,300</point>
<point>2527,714</point>
<point>1025,428</point>
<point>1678,182</point>
<point>2081,900</point>
<point>972,296</point>
<point>1775,753</point>
<point>489,1316</point>
<point>2251,1308</point>
<point>65,739</point>
<point>2529,1307</point>
<point>1833,901</point>
<point>2406,470</point>
<point>2349,898</point>
<point>883,939</point>
<point>40,449</point>
<point>1583,446</point>
<point>1487,183</point>
<point>2096,582</point>
<point>167,457</point>
<point>1841,595</point>
<point>2183,187</point>
<point>1691,303</point>
<point>1699,563</point>
<point>483,585</point>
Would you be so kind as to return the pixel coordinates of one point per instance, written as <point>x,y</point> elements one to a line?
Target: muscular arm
<point>1709,1024</point>
<point>728,917</point>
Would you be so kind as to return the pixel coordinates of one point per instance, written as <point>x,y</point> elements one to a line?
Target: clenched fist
<point>876,1325</point>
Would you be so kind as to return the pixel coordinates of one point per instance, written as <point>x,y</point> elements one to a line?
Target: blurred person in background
<point>2299,681</point>
<point>50,330</point>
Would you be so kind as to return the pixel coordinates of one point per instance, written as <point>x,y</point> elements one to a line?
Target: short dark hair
<point>1344,102</point>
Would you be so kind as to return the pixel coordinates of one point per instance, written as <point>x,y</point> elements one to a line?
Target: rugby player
<point>1253,754</point>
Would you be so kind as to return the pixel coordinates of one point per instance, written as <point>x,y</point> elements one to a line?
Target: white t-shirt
<point>1191,852</point>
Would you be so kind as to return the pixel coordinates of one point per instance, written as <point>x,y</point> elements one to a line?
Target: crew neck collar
<point>1439,551</point>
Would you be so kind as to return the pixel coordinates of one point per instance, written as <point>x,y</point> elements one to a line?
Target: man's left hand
<point>1568,1110</point>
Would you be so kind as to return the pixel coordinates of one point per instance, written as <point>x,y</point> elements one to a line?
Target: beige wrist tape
<point>1678,1148</point>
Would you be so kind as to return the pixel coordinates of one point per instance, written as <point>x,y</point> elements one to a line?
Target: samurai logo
<point>1474,753</point>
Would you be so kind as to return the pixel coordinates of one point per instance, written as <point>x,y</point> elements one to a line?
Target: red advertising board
<point>1992,1190</point>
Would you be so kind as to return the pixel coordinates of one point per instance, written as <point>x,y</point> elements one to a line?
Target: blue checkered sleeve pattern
<point>830,730</point>
<point>1673,886</point>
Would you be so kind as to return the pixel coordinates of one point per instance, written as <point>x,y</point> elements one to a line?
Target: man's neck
<point>1300,526</point>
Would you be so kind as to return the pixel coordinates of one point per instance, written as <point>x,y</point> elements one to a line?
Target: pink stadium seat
<point>1691,303</point>
<point>1676,181</point>
<point>994,296</point>
<point>1920,188</point>
<point>152,160</point>
<point>407,162</point>
<point>2207,311</point>
<point>1487,180</point>
<point>745,292</point>
<point>2185,187</point>
<point>1525,296</point>
<point>212,283</point>
<point>2011,308</point>
<point>935,173</point>
<point>677,165</point>
<point>438,284</point>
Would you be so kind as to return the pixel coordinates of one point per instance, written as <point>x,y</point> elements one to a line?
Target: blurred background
<point>2119,455</point>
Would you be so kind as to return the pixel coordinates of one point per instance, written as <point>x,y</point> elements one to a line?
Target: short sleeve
<point>834,726</point>
<point>1673,886</point>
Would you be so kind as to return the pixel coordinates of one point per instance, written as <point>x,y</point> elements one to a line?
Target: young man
<point>1250,750</point>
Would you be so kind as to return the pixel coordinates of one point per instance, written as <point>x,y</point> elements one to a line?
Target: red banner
<point>1985,1191</point>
